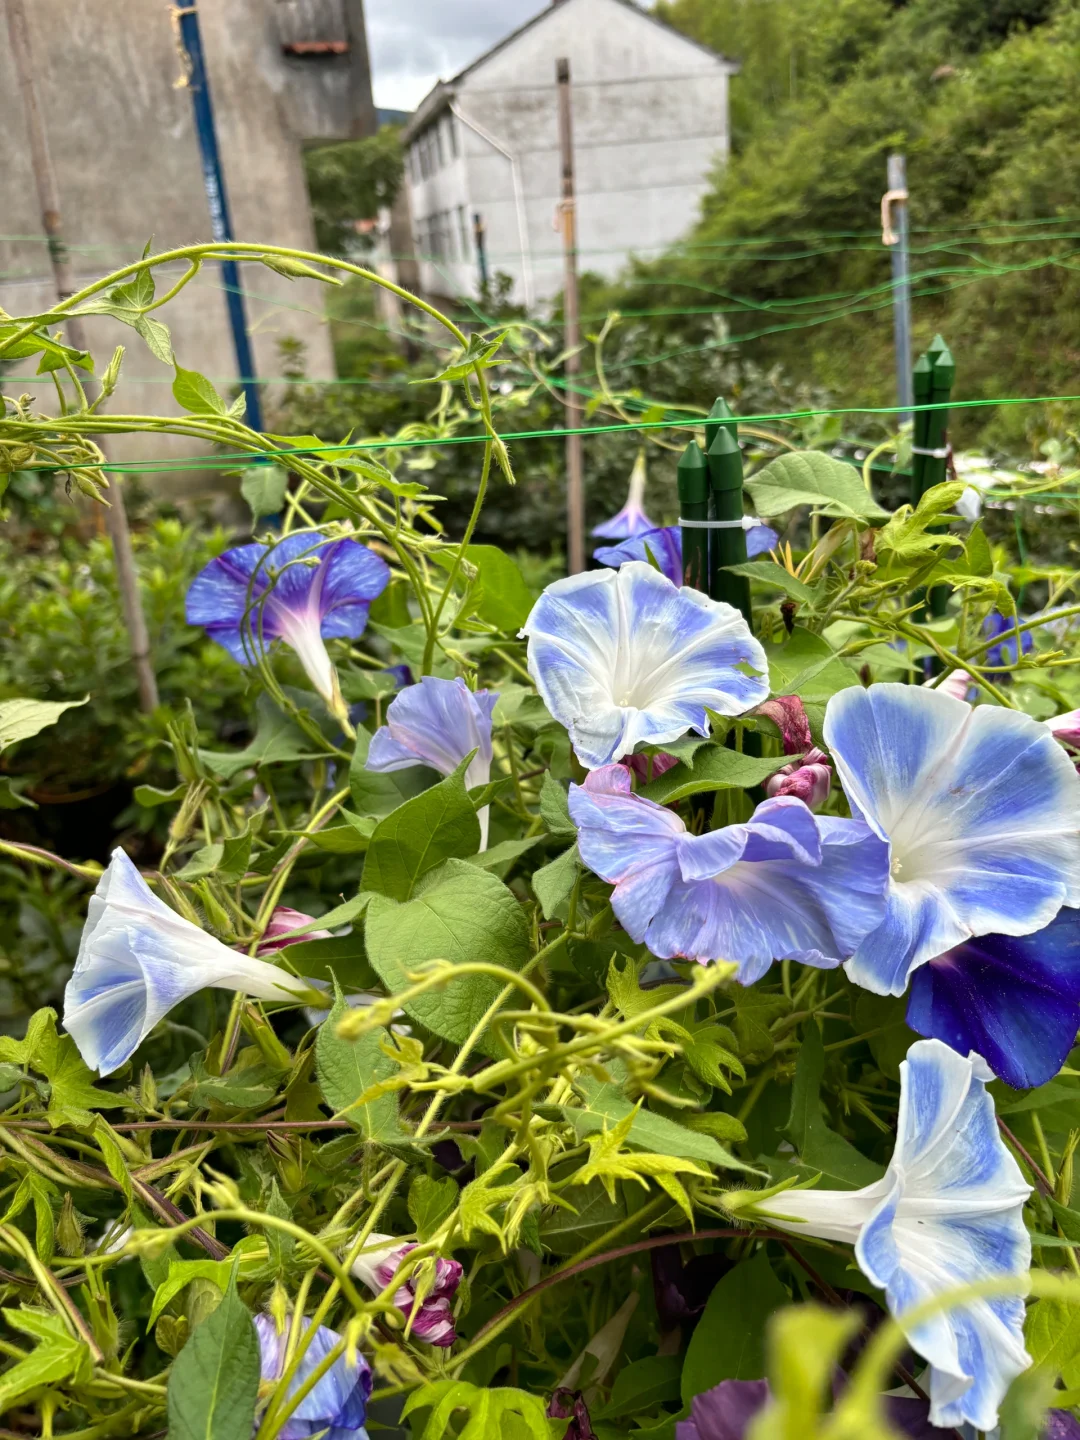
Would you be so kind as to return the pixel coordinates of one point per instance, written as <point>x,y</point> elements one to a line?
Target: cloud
<point>413,43</point>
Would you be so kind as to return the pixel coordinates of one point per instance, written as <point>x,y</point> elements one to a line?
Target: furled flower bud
<point>426,1307</point>
<point>1066,728</point>
<point>789,716</point>
<point>282,922</point>
<point>649,767</point>
<point>810,781</point>
<point>957,684</point>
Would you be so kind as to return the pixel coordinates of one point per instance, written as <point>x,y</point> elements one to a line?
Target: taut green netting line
<point>230,461</point>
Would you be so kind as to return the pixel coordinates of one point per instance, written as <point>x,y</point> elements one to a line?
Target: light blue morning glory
<point>788,884</point>
<point>625,658</point>
<point>981,808</point>
<point>948,1212</point>
<point>137,959</point>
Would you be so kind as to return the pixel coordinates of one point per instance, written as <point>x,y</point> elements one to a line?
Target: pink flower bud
<point>282,922</point>
<point>957,684</point>
<point>789,716</point>
<point>1066,728</point>
<point>810,781</point>
<point>432,1320</point>
<point>640,765</point>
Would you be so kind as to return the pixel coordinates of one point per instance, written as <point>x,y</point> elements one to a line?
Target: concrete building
<point>650,119</point>
<point>123,144</point>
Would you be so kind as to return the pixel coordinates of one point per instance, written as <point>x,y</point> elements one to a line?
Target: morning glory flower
<point>1013,999</point>
<point>137,959</point>
<point>303,590</point>
<point>431,1319</point>
<point>1005,652</point>
<point>625,658</point>
<point>981,808</point>
<point>947,1212</point>
<point>788,884</point>
<point>336,1407</point>
<point>664,544</point>
<point>438,723</point>
<point>631,519</point>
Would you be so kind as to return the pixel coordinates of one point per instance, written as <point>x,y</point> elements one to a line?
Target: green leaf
<point>718,768</point>
<point>509,1414</point>
<point>501,597</point>
<point>350,838</point>
<point>885,1014</point>
<point>438,825</point>
<point>342,956</point>
<point>729,1341</point>
<point>594,1215</point>
<point>57,1357</point>
<point>347,1069</point>
<point>605,1105</point>
<point>767,572</point>
<point>463,914</point>
<point>195,393</point>
<point>264,488</point>
<point>979,559</point>
<point>807,665</point>
<point>56,1057</point>
<point>180,1275</point>
<point>553,882</point>
<point>430,1202</point>
<point>555,807</point>
<point>809,477</point>
<point>1023,1411</point>
<point>1052,1336</point>
<point>820,1148</point>
<point>214,1380</point>
<point>277,740</point>
<point>11,796</point>
<point>643,1385</point>
<point>148,795</point>
<point>480,354</point>
<point>500,857</point>
<point>157,338</point>
<point>22,719</point>
<point>377,794</point>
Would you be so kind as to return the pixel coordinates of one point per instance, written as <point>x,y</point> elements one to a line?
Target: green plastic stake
<point>693,485</point>
<point>720,418</point>
<point>728,544</point>
<point>922,374</point>
<point>934,474</point>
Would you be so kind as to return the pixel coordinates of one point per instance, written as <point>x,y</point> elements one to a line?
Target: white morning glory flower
<point>137,959</point>
<point>948,1212</point>
<point>437,723</point>
<point>788,884</point>
<point>625,658</point>
<point>981,808</point>
<point>303,590</point>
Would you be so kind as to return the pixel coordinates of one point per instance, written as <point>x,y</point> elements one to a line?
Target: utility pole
<point>49,200</point>
<point>894,233</point>
<point>186,18</point>
<point>575,477</point>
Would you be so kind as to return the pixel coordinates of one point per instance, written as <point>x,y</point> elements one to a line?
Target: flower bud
<point>650,767</point>
<point>424,1298</point>
<point>810,781</point>
<point>789,716</point>
<point>282,922</point>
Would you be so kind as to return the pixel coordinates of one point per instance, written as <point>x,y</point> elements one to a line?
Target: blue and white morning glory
<point>137,959</point>
<point>625,658</point>
<point>948,1212</point>
<point>981,809</point>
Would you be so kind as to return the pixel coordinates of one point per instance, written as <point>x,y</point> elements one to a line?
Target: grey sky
<point>416,42</point>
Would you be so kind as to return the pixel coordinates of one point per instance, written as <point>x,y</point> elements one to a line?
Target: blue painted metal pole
<point>220,222</point>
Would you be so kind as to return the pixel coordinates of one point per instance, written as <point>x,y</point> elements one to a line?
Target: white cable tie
<point>942,453</point>
<point>748,522</point>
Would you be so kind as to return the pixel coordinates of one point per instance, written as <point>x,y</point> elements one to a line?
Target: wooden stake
<point>575,470</point>
<point>49,199</point>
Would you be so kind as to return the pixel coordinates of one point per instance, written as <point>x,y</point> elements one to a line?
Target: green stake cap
<point>936,346</point>
<point>922,375</point>
<point>944,369</point>
<point>725,461</point>
<point>719,418</point>
<point>693,477</point>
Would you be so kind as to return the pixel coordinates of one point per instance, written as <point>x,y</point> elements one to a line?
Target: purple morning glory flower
<point>979,806</point>
<point>437,723</point>
<point>625,658</point>
<point>1013,999</point>
<point>303,590</point>
<point>336,1408</point>
<point>664,545</point>
<point>788,884</point>
<point>631,519</point>
<point>1006,652</point>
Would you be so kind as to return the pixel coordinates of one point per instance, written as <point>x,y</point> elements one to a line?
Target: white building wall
<point>650,116</point>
